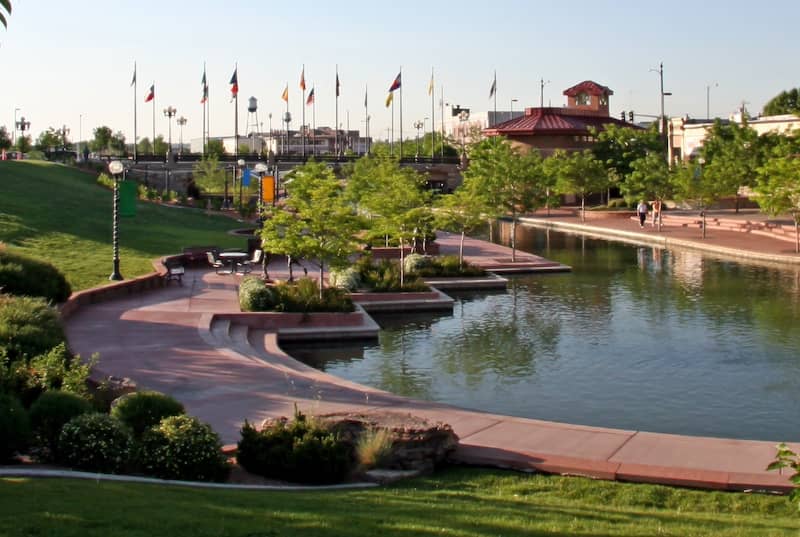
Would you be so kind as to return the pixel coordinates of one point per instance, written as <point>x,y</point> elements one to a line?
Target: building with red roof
<point>568,128</point>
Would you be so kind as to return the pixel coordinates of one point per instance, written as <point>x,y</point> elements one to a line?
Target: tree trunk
<point>461,251</point>
<point>583,208</point>
<point>402,268</point>
<point>703,222</point>
<point>321,272</point>
<point>513,238</point>
<point>289,262</point>
<point>797,233</point>
<point>737,202</point>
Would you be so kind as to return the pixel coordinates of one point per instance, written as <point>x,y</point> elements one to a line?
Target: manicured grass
<point>455,502</point>
<point>61,215</point>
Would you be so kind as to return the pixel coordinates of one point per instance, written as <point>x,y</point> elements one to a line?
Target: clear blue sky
<point>60,60</point>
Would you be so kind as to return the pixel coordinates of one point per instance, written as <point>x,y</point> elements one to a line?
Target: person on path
<point>641,210</point>
<point>656,211</point>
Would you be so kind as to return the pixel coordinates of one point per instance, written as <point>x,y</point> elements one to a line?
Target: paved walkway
<point>165,341</point>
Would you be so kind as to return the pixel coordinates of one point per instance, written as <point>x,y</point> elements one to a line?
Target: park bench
<point>175,271</point>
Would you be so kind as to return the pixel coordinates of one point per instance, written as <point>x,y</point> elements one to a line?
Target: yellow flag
<point>389,99</point>
<point>285,95</point>
<point>430,86</point>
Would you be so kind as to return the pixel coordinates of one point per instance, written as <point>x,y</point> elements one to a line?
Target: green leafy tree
<point>508,181</point>
<point>244,149</point>
<point>102,139</point>
<point>786,102</point>
<point>732,154</point>
<point>209,175</point>
<point>160,147</point>
<point>49,139</point>
<point>6,6</point>
<point>460,212</point>
<point>778,186</point>
<point>618,147</point>
<point>117,143</point>
<point>577,173</point>
<point>24,143</point>
<point>693,185</point>
<point>144,147</point>
<point>650,179</point>
<point>5,138</point>
<point>215,148</point>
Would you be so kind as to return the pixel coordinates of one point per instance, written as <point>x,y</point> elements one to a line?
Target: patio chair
<point>216,263</point>
<point>247,265</point>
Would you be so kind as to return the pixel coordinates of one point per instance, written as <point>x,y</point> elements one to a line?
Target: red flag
<point>234,82</point>
<point>303,79</point>
<point>396,84</point>
<point>205,88</point>
<point>151,94</point>
<point>310,99</point>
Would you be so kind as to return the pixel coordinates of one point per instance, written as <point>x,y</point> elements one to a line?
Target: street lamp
<point>260,169</point>
<point>241,164</point>
<point>169,113</point>
<point>14,136</point>
<point>708,100</point>
<point>22,126</point>
<point>287,118</point>
<point>115,167</point>
<point>418,125</point>
<point>181,121</point>
<point>463,117</point>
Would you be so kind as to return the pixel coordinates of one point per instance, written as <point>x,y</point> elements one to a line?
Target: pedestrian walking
<point>656,211</point>
<point>641,210</point>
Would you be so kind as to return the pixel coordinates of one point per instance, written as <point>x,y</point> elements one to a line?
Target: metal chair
<point>214,262</point>
<point>247,265</point>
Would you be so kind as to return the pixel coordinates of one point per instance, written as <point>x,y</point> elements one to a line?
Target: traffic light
<point>630,116</point>
<point>622,115</point>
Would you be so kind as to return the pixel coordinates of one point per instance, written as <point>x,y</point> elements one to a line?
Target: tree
<point>577,173</point>
<point>732,154</point>
<point>144,147</point>
<point>214,148</point>
<point>693,185</point>
<point>209,175</point>
<point>508,182</point>
<point>49,139</point>
<point>101,140</point>
<point>778,186</point>
<point>6,5</point>
<point>462,212</point>
<point>618,147</point>
<point>117,143</point>
<point>160,147</point>
<point>5,138</point>
<point>786,102</point>
<point>650,180</point>
<point>24,143</point>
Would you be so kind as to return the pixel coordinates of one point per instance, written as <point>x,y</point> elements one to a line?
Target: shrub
<point>143,410</point>
<point>373,447</point>
<point>22,275</point>
<point>28,327</point>
<point>449,267</point>
<point>256,295</point>
<point>105,181</point>
<point>48,414</point>
<point>181,447</point>
<point>385,277</point>
<point>417,262</point>
<point>300,451</point>
<point>14,426</point>
<point>95,442</point>
<point>348,278</point>
<point>58,369</point>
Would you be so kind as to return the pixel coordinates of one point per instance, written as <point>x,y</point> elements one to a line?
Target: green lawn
<point>454,502</point>
<point>60,214</point>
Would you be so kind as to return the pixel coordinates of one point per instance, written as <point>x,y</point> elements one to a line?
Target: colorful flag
<point>396,84</point>
<point>133,80</point>
<point>493,89</point>
<point>389,99</point>
<point>150,94</point>
<point>310,99</point>
<point>337,84</point>
<point>365,97</point>
<point>430,85</point>
<point>285,94</point>
<point>303,79</point>
<point>234,82</point>
<point>204,82</point>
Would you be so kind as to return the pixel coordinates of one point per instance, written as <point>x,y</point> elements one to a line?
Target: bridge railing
<point>292,158</point>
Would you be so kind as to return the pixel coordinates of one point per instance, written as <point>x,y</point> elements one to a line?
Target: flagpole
<point>134,112</point>
<point>391,143</point>
<point>314,121</point>
<point>366,123</point>
<point>154,118</point>
<point>205,100</point>
<point>433,117</point>
<point>401,112</point>
<point>336,117</point>
<point>495,97</point>
<point>441,105</point>
<point>236,113</point>
<point>303,106</point>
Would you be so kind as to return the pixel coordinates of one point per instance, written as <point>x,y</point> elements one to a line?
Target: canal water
<point>633,338</point>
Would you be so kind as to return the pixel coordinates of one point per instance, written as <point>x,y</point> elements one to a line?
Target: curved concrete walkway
<point>164,340</point>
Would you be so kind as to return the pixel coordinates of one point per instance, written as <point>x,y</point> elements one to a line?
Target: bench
<point>175,272</point>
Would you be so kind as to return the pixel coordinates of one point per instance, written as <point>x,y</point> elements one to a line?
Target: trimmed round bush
<point>299,451</point>
<point>95,442</point>
<point>14,427</point>
<point>256,295</point>
<point>23,275</point>
<point>416,262</point>
<point>345,278</point>
<point>143,410</point>
<point>181,447</point>
<point>48,414</point>
<point>28,327</point>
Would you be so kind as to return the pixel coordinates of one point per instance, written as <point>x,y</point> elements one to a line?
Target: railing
<point>294,158</point>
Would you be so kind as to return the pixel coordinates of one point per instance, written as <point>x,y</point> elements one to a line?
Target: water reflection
<point>635,337</point>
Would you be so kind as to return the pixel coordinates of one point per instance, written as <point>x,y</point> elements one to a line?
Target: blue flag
<point>246,177</point>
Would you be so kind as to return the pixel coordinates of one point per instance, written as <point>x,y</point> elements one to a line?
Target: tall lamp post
<point>260,169</point>
<point>22,126</point>
<point>14,136</point>
<point>115,167</point>
<point>169,113</point>
<point>418,125</point>
<point>241,164</point>
<point>181,122</point>
<point>463,117</point>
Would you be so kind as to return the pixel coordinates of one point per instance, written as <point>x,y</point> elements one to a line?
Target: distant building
<point>547,129</point>
<point>320,141</point>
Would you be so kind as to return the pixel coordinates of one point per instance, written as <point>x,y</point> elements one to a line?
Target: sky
<point>71,63</point>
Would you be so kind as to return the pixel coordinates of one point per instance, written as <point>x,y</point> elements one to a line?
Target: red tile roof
<point>589,87</point>
<point>553,121</point>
